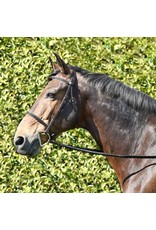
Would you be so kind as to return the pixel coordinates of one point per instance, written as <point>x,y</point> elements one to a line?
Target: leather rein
<point>51,136</point>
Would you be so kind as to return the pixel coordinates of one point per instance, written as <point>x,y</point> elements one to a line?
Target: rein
<point>62,105</point>
<point>99,152</point>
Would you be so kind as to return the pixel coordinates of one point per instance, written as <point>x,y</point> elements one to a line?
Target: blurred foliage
<point>24,67</point>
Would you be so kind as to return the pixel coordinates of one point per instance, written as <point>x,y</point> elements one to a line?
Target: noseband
<point>68,96</point>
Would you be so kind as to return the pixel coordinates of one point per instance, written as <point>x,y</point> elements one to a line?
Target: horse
<point>119,118</point>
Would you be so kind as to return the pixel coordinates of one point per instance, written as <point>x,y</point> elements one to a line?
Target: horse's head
<point>54,111</point>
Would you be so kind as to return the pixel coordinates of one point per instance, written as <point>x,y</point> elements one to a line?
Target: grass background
<point>24,67</point>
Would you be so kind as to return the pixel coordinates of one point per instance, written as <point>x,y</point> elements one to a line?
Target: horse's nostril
<point>19,140</point>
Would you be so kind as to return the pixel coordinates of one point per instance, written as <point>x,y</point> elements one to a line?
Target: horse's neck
<point>116,127</point>
<point>113,125</point>
<point>120,129</point>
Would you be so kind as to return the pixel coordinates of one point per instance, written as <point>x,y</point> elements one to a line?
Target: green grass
<point>24,67</point>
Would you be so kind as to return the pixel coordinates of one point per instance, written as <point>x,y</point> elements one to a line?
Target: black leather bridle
<point>69,96</point>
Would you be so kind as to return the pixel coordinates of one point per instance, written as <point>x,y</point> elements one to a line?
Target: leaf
<point>24,68</point>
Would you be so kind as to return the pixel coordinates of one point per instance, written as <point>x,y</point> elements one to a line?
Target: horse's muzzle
<point>28,146</point>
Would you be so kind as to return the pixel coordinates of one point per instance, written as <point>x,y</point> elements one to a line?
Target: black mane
<point>134,98</point>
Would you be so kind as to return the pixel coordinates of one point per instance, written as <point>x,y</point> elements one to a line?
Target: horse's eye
<point>50,95</point>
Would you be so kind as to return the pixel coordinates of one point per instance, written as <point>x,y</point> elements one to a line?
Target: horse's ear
<point>62,65</point>
<point>53,64</point>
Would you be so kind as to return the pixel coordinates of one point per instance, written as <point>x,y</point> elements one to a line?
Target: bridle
<point>68,96</point>
<point>51,136</point>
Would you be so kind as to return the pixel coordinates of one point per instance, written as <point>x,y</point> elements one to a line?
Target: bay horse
<point>119,118</point>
